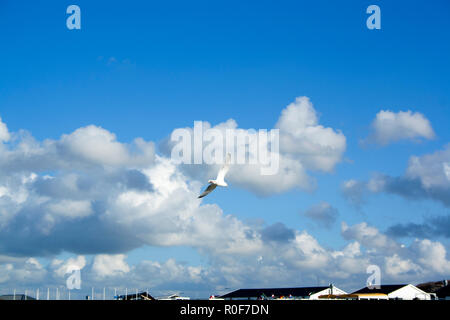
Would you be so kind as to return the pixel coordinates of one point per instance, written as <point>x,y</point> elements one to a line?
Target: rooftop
<point>16,297</point>
<point>277,292</point>
<point>386,289</point>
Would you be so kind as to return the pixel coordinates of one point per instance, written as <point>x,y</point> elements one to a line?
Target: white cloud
<point>168,272</point>
<point>424,178</point>
<point>110,265</point>
<point>304,145</point>
<point>84,149</point>
<point>34,263</point>
<point>116,205</point>
<point>4,133</point>
<point>432,255</point>
<point>300,259</point>
<point>446,167</point>
<point>60,267</point>
<point>29,271</point>
<point>301,135</point>
<point>423,258</point>
<point>390,127</point>
<point>369,236</point>
<point>291,174</point>
<point>396,266</point>
<point>70,208</point>
<point>307,253</point>
<point>349,261</point>
<point>97,145</point>
<point>430,168</point>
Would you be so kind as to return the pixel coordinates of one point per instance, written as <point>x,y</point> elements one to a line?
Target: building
<point>444,293</point>
<point>174,297</point>
<point>135,296</point>
<point>392,292</point>
<point>437,289</point>
<point>357,296</point>
<point>16,297</point>
<point>312,293</point>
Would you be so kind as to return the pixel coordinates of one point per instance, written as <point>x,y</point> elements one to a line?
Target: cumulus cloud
<point>389,127</point>
<point>84,149</point>
<point>370,237</point>
<point>110,265</point>
<point>432,255</point>
<point>431,169</point>
<point>304,145</point>
<point>301,135</point>
<point>322,213</point>
<point>54,195</point>
<point>169,271</point>
<point>397,267</point>
<point>88,193</point>
<point>296,256</point>
<point>422,257</point>
<point>61,267</point>
<point>113,218</point>
<point>424,178</point>
<point>29,271</point>
<point>4,133</point>
<point>67,196</point>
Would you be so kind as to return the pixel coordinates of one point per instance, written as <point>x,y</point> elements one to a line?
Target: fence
<point>62,293</point>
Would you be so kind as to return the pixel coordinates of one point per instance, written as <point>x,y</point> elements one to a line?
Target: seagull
<point>220,178</point>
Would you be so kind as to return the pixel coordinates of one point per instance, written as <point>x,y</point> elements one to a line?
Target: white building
<point>392,292</point>
<point>332,290</point>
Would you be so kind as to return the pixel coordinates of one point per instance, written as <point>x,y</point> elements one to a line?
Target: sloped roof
<point>443,292</point>
<point>16,297</point>
<point>386,289</point>
<point>432,286</point>
<point>133,296</point>
<point>277,292</point>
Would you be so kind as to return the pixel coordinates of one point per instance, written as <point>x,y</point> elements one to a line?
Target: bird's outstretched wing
<point>223,171</point>
<point>208,190</point>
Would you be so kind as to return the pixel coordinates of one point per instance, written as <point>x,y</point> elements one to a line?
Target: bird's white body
<point>220,180</point>
<point>219,183</point>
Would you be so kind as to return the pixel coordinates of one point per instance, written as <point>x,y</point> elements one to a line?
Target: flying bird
<point>220,180</point>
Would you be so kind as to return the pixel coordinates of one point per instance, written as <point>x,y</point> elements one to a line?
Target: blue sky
<point>143,69</point>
